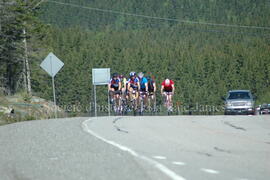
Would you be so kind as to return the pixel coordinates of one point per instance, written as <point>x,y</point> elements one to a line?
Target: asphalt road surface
<point>139,148</point>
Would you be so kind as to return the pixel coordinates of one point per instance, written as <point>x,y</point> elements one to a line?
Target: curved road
<point>177,147</point>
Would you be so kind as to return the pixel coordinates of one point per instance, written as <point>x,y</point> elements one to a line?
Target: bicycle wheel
<point>134,107</point>
<point>141,106</point>
<point>153,105</point>
<point>124,107</point>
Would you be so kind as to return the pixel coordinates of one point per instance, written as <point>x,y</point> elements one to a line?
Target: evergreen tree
<point>18,24</point>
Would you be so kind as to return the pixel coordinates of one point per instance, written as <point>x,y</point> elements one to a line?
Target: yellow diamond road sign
<point>51,64</point>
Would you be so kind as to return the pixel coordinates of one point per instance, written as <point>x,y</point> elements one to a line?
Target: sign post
<point>109,107</point>
<point>95,100</point>
<point>100,76</point>
<point>51,64</point>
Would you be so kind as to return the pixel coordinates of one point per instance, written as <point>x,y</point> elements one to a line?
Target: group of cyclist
<point>138,88</point>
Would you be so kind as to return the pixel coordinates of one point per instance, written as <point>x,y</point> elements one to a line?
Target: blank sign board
<point>101,76</point>
<point>52,64</point>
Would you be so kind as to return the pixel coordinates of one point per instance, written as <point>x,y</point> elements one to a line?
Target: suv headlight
<point>249,104</point>
<point>228,104</point>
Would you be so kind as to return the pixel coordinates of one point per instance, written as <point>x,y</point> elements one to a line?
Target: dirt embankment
<point>22,108</point>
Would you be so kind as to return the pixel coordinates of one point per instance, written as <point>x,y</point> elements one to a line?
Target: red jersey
<point>167,87</point>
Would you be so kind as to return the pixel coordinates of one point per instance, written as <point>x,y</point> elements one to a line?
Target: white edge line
<point>179,163</point>
<point>159,157</point>
<point>156,164</point>
<point>211,171</point>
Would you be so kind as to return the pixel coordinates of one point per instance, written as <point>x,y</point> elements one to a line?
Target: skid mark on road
<point>117,119</point>
<point>222,150</point>
<point>118,128</point>
<point>238,136</point>
<point>205,154</point>
<point>236,127</point>
<point>151,162</point>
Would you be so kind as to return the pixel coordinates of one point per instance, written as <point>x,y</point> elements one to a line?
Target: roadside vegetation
<point>22,107</point>
<point>204,60</point>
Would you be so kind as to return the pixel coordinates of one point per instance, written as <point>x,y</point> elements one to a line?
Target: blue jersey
<point>134,83</point>
<point>114,83</point>
<point>142,83</point>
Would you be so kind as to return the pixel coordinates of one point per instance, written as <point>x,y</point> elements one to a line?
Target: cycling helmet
<point>167,82</point>
<point>115,75</point>
<point>140,75</point>
<point>131,74</point>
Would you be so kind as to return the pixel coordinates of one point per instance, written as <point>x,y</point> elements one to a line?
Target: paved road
<point>183,147</point>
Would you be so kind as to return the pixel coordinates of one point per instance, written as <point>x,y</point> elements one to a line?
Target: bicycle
<point>152,104</point>
<point>116,102</point>
<point>124,104</point>
<point>167,102</point>
<point>143,101</point>
<point>133,101</point>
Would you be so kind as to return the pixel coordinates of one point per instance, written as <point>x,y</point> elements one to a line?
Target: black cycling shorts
<point>143,89</point>
<point>115,88</point>
<point>134,86</point>
<point>165,90</point>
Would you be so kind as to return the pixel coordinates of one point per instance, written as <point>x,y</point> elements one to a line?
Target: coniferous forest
<point>207,47</point>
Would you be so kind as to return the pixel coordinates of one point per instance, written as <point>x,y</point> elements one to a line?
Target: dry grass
<point>25,108</point>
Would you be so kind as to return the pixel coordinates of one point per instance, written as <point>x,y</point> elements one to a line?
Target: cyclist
<point>151,92</point>
<point>167,90</point>
<point>143,87</point>
<point>124,94</point>
<point>123,81</point>
<point>114,87</point>
<point>143,82</point>
<point>151,85</point>
<point>133,85</point>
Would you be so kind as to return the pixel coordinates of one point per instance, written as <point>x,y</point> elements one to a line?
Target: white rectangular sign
<point>101,76</point>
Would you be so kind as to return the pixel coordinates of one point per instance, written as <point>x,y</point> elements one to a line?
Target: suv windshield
<point>239,95</point>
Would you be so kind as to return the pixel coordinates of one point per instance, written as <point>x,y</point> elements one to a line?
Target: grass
<point>24,109</point>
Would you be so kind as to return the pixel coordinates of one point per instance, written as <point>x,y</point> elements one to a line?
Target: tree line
<point>204,61</point>
<point>204,66</point>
